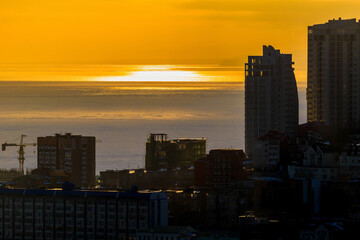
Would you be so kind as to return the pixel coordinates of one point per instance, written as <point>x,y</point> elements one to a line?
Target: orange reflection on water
<point>109,115</point>
<point>146,88</point>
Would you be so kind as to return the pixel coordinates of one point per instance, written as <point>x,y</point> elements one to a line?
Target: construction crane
<point>21,151</point>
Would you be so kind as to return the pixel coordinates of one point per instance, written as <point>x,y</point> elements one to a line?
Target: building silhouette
<point>333,83</point>
<point>271,97</point>
<point>220,169</point>
<point>164,153</point>
<point>67,158</point>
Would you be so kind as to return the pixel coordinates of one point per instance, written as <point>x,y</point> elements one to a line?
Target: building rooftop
<point>336,22</point>
<point>189,139</point>
<point>351,20</point>
<point>66,135</point>
<point>84,193</point>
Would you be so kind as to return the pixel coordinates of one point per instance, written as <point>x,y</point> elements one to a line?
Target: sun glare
<point>156,76</point>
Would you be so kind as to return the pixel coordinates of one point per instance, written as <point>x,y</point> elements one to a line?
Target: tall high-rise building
<point>333,83</point>
<point>68,158</point>
<point>271,97</point>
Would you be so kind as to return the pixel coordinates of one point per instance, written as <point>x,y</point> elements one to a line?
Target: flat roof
<point>83,193</point>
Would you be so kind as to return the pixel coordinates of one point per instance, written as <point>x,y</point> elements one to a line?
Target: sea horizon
<point>121,106</point>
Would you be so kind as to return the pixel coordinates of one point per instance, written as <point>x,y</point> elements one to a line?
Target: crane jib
<point>21,151</point>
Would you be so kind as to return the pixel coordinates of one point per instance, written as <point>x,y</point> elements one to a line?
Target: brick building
<point>67,158</point>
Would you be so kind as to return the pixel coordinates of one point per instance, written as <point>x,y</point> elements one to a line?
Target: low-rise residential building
<point>318,162</point>
<point>268,151</point>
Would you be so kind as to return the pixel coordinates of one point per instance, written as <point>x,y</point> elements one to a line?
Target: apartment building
<point>58,214</point>
<point>333,83</point>
<point>165,153</point>
<point>66,157</point>
<point>271,97</point>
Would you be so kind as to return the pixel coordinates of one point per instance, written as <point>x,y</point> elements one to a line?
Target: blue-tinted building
<point>59,214</point>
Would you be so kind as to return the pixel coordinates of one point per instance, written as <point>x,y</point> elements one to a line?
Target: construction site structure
<point>21,151</point>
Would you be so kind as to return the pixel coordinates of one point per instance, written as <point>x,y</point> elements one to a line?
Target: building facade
<point>349,161</point>
<point>125,179</point>
<point>221,168</point>
<point>333,83</point>
<point>164,153</point>
<point>317,162</point>
<point>55,214</point>
<point>271,97</point>
<point>268,151</point>
<point>67,158</point>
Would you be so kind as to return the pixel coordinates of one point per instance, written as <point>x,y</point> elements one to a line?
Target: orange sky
<point>160,32</point>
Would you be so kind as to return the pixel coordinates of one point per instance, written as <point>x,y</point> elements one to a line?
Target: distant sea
<point>121,105</point>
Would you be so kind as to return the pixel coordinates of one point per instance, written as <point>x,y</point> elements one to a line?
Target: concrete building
<point>318,162</point>
<point>268,151</point>
<point>222,168</point>
<point>164,153</point>
<point>333,83</point>
<point>55,214</point>
<point>67,158</point>
<point>271,97</point>
<point>318,165</point>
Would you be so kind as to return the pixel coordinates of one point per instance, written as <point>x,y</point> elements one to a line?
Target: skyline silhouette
<point>149,117</point>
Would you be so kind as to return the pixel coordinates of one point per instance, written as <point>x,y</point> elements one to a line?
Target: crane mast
<point>21,151</point>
